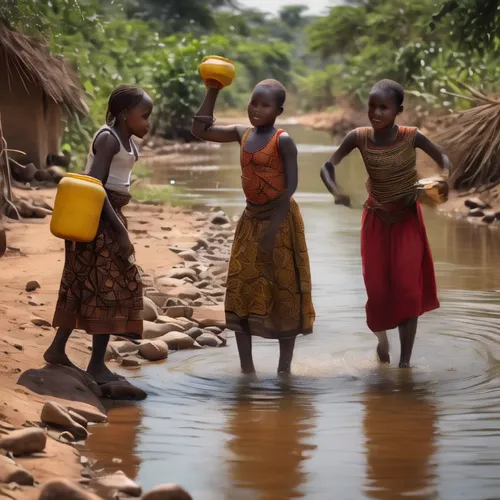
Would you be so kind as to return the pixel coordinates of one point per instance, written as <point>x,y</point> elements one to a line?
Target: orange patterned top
<point>263,174</point>
<point>391,169</point>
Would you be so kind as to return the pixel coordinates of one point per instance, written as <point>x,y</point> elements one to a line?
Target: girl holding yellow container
<point>101,289</point>
<point>269,281</point>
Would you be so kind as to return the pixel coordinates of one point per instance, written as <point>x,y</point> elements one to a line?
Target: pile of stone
<point>173,296</point>
<point>481,211</point>
<point>67,425</point>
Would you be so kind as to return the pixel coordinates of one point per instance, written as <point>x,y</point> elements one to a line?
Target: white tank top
<point>121,166</point>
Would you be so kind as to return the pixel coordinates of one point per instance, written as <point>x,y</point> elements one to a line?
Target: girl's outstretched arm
<point>203,122</point>
<point>433,150</point>
<point>348,144</point>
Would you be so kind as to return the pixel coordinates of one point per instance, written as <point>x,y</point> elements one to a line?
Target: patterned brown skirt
<point>270,299</point>
<point>100,292</point>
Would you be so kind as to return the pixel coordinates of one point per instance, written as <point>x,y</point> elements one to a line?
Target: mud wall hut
<point>37,92</point>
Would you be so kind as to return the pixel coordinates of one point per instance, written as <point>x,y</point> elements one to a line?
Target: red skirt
<point>397,265</point>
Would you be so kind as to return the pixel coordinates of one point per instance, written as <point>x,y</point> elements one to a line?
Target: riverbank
<point>183,254</point>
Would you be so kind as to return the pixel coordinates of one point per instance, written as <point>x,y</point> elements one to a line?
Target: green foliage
<point>159,44</point>
<point>374,39</point>
<point>475,23</point>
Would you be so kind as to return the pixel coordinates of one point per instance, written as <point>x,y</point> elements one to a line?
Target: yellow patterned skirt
<point>270,299</point>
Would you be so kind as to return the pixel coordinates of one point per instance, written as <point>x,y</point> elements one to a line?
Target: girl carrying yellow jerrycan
<point>101,288</point>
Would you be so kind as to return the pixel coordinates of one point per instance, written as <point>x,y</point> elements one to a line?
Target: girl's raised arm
<point>433,150</point>
<point>348,144</point>
<point>203,122</point>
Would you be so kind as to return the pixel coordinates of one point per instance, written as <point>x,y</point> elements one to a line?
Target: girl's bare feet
<point>103,375</point>
<point>56,353</point>
<point>53,356</point>
<point>383,353</point>
<point>383,347</point>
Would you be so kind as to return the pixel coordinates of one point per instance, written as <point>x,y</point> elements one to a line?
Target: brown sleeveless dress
<point>268,299</point>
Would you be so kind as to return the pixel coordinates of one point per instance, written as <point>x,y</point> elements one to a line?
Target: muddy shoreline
<point>183,254</point>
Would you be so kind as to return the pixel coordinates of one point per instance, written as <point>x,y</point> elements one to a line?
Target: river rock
<point>62,489</point>
<point>155,330</point>
<point>78,418</point>
<point>475,202</point>
<point>40,322</point>
<point>130,362</point>
<point>179,312</point>
<point>210,316</point>
<point>116,483</point>
<point>12,473</point>
<point>189,255</point>
<point>176,302</point>
<point>220,219</point>
<point>153,350</point>
<point>476,212</point>
<point>224,234</point>
<point>185,323</point>
<point>167,492</point>
<point>180,273</point>
<point>200,243</point>
<point>123,347</point>
<point>208,339</point>
<point>203,284</point>
<point>90,414</point>
<point>186,291</point>
<point>121,390</point>
<point>150,311</point>
<point>177,249</point>
<point>170,282</point>
<point>58,416</point>
<point>159,298</point>
<point>213,329</point>
<point>194,332</point>
<point>177,341</point>
<point>31,286</point>
<point>24,441</point>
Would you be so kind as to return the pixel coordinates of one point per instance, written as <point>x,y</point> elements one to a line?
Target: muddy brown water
<point>343,427</point>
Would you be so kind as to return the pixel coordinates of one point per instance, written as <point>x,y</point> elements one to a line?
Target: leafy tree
<point>474,23</point>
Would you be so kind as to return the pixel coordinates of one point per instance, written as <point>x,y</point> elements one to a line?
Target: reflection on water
<point>345,428</point>
<point>400,426</point>
<point>268,443</point>
<point>114,445</point>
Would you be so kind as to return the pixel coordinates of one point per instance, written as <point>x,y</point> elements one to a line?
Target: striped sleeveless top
<point>391,169</point>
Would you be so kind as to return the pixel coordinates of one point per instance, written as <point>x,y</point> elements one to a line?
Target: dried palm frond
<point>472,140</point>
<point>31,60</point>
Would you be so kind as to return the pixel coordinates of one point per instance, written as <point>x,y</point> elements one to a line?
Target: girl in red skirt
<point>397,264</point>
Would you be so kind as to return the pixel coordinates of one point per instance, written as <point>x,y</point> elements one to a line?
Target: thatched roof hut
<point>37,90</point>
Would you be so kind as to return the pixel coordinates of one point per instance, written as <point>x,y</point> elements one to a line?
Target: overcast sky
<point>315,6</point>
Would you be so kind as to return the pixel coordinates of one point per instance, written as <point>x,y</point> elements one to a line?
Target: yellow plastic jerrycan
<point>217,70</point>
<point>78,207</point>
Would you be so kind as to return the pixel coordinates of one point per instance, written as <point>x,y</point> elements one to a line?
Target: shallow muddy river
<point>343,427</point>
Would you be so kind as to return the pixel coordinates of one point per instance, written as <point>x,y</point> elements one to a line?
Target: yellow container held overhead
<point>217,71</point>
<point>78,207</point>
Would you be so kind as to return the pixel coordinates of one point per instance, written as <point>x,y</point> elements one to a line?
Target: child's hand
<point>212,84</point>
<point>342,199</point>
